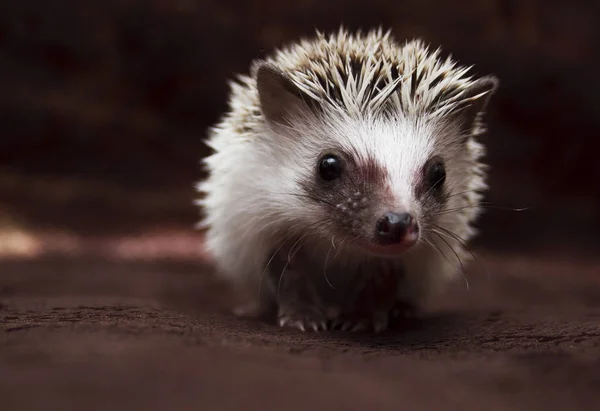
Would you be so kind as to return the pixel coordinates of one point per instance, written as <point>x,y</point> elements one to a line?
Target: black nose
<point>393,227</point>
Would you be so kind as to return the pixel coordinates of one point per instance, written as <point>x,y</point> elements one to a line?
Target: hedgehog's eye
<point>436,175</point>
<point>330,167</point>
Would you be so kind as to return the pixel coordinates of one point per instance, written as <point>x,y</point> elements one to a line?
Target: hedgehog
<point>345,179</point>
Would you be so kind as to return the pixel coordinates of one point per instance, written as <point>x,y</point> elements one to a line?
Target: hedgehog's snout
<point>395,228</point>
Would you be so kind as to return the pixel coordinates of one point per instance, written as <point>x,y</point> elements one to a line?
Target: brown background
<point>120,93</point>
<point>103,107</point>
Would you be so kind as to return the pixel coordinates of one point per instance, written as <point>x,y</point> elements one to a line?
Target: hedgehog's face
<point>377,181</point>
<point>376,186</point>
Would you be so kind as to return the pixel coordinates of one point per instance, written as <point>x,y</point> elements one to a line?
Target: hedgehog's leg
<point>300,306</point>
<point>299,303</point>
<point>372,307</point>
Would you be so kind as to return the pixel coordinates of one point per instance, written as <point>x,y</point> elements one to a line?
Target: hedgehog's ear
<point>478,96</point>
<point>280,99</point>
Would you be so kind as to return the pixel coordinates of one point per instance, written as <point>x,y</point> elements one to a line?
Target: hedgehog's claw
<point>380,322</point>
<point>283,321</point>
<point>377,322</point>
<point>360,326</point>
<point>303,320</point>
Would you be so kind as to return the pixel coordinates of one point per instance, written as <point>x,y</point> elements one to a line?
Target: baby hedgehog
<point>345,178</point>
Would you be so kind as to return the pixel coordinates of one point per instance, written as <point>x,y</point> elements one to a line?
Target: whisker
<point>465,244</point>
<point>462,192</point>
<point>342,244</point>
<point>325,267</point>
<point>482,206</point>
<point>269,263</point>
<point>453,235</point>
<point>434,185</point>
<point>455,253</point>
<point>290,257</point>
<point>292,247</point>
<point>436,248</point>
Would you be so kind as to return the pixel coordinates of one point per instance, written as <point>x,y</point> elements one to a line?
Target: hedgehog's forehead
<point>399,145</point>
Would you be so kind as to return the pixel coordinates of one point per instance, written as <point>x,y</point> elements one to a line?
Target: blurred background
<point>104,106</point>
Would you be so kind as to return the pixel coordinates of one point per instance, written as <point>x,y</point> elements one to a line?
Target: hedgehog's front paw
<point>302,317</point>
<point>362,322</point>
